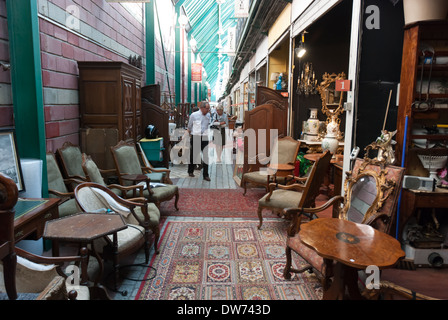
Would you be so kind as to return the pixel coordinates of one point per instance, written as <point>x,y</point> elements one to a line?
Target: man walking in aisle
<point>198,128</point>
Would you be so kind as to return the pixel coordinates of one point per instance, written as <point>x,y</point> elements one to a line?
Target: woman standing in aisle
<point>220,123</point>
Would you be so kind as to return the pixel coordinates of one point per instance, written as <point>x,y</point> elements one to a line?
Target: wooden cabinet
<point>110,107</point>
<point>418,38</point>
<point>110,97</point>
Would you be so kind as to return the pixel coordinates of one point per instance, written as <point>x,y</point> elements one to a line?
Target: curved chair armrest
<point>50,260</point>
<point>158,170</point>
<point>124,189</point>
<point>131,204</point>
<point>296,214</point>
<point>138,199</point>
<point>58,261</point>
<point>107,171</point>
<point>298,179</point>
<point>273,186</point>
<point>65,196</point>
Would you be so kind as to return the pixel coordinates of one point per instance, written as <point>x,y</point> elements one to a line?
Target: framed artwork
<point>9,158</point>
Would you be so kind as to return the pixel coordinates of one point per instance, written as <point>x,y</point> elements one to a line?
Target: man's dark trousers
<point>195,154</point>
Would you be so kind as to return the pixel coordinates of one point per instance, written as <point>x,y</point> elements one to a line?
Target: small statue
<point>384,144</point>
<point>278,84</point>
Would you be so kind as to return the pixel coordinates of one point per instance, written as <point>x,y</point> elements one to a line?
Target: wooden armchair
<point>43,278</point>
<point>25,273</point>
<point>140,216</point>
<point>9,195</point>
<point>165,172</point>
<point>284,151</point>
<point>69,157</point>
<point>371,193</point>
<point>58,187</point>
<point>297,195</point>
<point>130,172</point>
<point>96,175</point>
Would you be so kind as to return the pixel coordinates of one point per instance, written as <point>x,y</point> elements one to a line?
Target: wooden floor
<point>221,174</point>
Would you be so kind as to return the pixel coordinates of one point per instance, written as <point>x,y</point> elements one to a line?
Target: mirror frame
<point>328,79</point>
<point>384,189</point>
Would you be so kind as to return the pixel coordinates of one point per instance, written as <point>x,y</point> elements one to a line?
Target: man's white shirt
<point>198,124</point>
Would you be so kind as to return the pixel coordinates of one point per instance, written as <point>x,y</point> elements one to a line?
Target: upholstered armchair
<point>300,194</point>
<point>27,276</point>
<point>58,187</point>
<point>284,151</point>
<point>164,171</point>
<point>42,278</point>
<point>130,172</point>
<point>140,216</point>
<point>96,175</point>
<point>370,197</point>
<point>69,157</point>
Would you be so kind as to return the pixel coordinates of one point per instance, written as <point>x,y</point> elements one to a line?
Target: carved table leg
<point>9,273</point>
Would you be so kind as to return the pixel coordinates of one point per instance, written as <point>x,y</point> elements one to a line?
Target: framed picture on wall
<point>9,158</point>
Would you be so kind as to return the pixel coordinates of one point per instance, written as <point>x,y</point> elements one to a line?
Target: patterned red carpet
<point>225,260</point>
<point>226,203</point>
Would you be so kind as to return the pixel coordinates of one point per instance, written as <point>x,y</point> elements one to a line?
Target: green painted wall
<point>26,80</point>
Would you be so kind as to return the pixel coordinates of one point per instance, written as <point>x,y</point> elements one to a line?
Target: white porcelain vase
<point>313,125</point>
<point>330,143</point>
<point>424,10</point>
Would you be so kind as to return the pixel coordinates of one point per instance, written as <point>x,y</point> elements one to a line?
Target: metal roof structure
<point>209,21</point>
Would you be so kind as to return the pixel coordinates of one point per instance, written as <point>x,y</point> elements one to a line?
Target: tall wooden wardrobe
<point>110,107</point>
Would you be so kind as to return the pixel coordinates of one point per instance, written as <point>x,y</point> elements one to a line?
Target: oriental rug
<point>225,260</point>
<point>226,203</point>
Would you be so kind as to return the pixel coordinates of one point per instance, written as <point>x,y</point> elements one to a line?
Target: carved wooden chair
<point>284,151</point>
<point>140,216</point>
<point>69,157</point>
<point>32,276</point>
<point>97,175</point>
<point>128,164</point>
<point>298,195</point>
<point>371,193</point>
<point>58,187</point>
<point>165,172</point>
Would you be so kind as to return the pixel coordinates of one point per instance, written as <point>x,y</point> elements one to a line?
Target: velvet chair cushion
<point>95,176</point>
<point>68,207</point>
<point>72,160</point>
<point>316,261</point>
<point>55,179</point>
<point>281,199</point>
<point>128,161</point>
<point>155,176</point>
<point>257,177</point>
<point>34,278</point>
<point>286,151</point>
<point>162,193</point>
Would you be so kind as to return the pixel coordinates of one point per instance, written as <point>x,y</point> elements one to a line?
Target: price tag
<point>343,85</point>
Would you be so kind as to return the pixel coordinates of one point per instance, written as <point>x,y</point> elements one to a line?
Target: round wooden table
<point>280,170</point>
<point>354,247</point>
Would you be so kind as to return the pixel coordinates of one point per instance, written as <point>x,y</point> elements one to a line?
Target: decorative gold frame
<point>384,186</point>
<point>328,79</point>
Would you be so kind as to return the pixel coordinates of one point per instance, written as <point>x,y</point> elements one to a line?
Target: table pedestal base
<point>344,285</point>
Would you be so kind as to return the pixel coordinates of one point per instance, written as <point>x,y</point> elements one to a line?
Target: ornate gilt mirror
<point>366,190</point>
<point>332,100</point>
